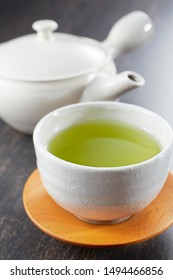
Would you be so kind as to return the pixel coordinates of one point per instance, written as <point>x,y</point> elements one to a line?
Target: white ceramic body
<point>23,104</point>
<point>102,195</point>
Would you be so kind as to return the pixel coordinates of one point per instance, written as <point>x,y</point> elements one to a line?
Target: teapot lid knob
<point>44,28</point>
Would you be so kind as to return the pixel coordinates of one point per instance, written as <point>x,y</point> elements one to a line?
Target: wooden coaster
<point>60,224</point>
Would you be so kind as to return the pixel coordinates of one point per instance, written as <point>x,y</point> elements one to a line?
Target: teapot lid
<point>48,55</point>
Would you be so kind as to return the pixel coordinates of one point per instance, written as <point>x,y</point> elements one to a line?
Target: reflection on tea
<point>103,144</point>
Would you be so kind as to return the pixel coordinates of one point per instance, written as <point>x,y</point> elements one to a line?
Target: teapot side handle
<point>128,33</point>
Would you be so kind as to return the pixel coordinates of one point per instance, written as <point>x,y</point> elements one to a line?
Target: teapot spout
<point>107,88</point>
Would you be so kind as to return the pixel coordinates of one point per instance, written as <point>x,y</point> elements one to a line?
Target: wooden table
<point>19,238</point>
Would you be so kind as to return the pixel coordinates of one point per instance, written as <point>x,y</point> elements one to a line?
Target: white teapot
<point>46,70</point>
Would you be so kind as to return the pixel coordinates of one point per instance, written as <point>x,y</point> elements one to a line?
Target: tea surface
<point>103,144</point>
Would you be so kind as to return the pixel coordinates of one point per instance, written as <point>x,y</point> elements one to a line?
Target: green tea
<point>103,144</point>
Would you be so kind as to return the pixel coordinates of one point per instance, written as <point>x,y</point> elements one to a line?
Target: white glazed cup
<point>102,195</point>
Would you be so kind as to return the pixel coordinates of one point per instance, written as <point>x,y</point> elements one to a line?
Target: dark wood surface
<point>19,238</point>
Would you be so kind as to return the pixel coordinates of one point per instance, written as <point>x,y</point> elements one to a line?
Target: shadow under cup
<point>102,195</point>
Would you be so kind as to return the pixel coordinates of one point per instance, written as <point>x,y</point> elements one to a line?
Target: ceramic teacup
<point>102,195</point>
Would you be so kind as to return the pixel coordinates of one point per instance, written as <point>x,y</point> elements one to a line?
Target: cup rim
<point>43,149</point>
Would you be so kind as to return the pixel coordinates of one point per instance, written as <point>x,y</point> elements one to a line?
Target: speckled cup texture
<point>96,194</point>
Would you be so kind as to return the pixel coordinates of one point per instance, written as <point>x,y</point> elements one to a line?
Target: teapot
<point>43,71</point>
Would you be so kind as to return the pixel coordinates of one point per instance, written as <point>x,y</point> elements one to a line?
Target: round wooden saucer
<point>60,224</point>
